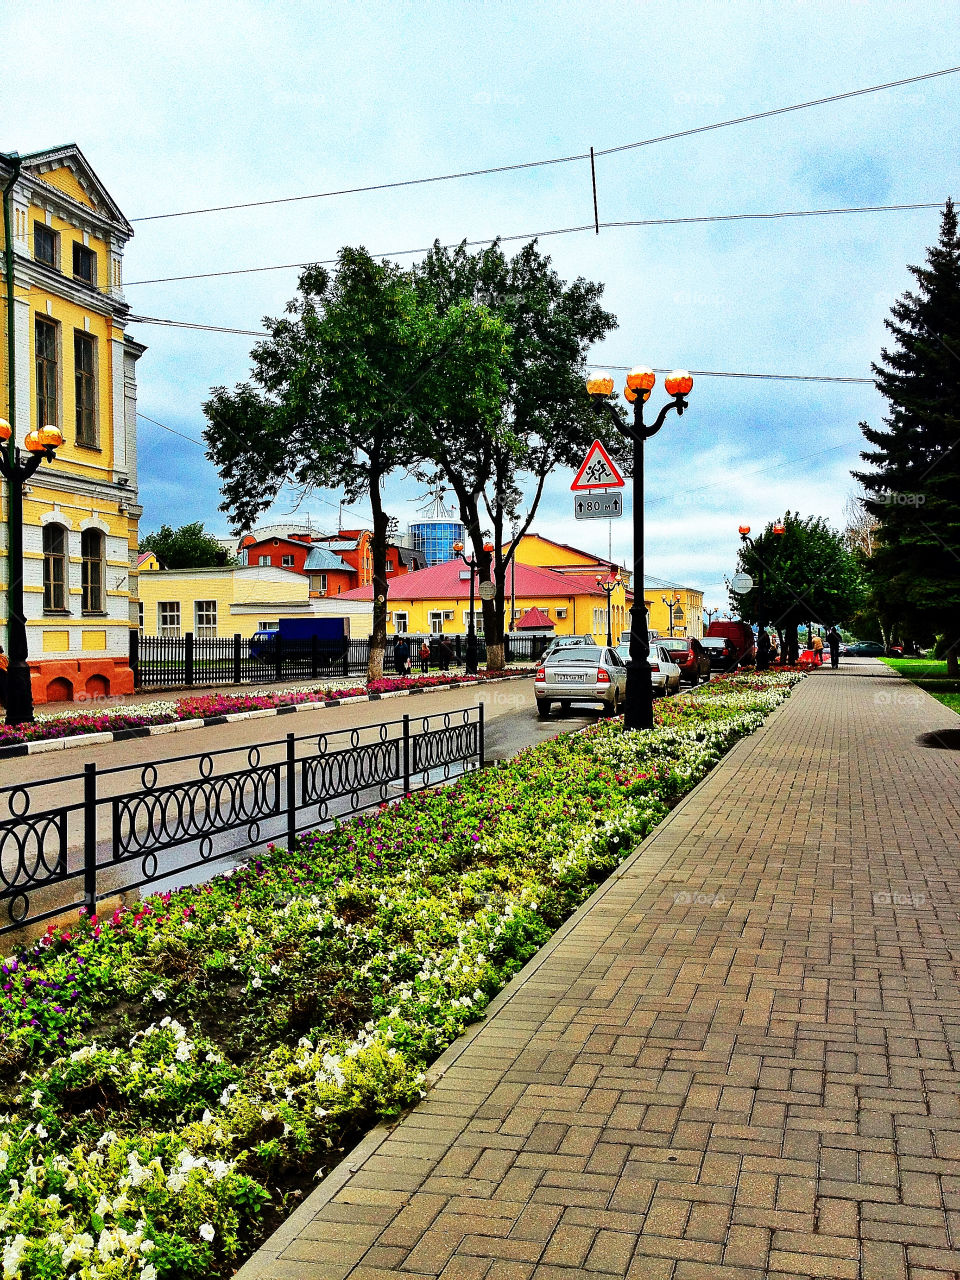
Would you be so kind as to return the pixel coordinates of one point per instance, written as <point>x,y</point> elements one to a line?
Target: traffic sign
<point>598,506</point>
<point>598,471</point>
<point>741,583</point>
<point>486,590</point>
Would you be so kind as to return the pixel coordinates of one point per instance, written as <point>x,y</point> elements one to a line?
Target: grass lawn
<point>174,1078</point>
<point>931,676</point>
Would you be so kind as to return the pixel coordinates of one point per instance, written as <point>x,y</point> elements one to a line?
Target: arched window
<point>91,553</point>
<point>54,567</point>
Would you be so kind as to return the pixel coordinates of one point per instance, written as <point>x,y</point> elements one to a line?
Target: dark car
<point>866,649</point>
<point>690,656</point>
<point>721,652</point>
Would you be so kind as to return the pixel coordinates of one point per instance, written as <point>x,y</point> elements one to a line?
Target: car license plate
<point>573,679</point>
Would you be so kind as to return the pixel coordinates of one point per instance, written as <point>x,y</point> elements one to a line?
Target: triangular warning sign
<point>597,471</point>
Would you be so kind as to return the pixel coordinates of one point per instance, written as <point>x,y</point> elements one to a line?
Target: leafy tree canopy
<point>188,547</point>
<point>343,390</point>
<point>808,575</point>
<point>498,467</point>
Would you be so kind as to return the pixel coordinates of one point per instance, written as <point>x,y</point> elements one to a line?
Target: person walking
<point>445,654</point>
<point>833,640</point>
<point>817,645</point>
<point>425,657</point>
<point>401,656</point>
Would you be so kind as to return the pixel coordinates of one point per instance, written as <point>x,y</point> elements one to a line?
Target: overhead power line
<point>537,164</point>
<point>557,231</point>
<point>700,373</point>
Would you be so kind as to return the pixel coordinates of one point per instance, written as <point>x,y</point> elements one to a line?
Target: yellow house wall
<point>227,588</point>
<point>64,180</point>
<point>579,612</point>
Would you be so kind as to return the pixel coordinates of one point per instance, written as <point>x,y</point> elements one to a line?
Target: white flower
<point>158,993</point>
<point>183,1052</point>
<point>207,1232</point>
<point>149,1272</point>
<point>256,982</point>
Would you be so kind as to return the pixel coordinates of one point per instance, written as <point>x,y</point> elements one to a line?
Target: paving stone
<point>758,1090</point>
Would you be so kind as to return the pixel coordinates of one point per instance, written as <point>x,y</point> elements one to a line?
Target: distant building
<point>219,603</point>
<point>334,562</point>
<point>658,593</point>
<point>435,533</point>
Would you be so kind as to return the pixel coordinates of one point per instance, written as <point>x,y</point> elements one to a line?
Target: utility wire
<point>536,164</point>
<point>558,231</point>
<point>700,373</point>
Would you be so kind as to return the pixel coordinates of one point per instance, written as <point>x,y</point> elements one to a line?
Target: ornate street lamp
<point>16,470</point>
<point>674,607</point>
<point>470,662</point>
<point>638,706</point>
<point>756,545</point>
<point>608,586</point>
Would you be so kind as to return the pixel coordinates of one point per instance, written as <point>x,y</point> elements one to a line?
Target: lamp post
<point>608,586</point>
<point>672,605</point>
<point>638,706</point>
<point>470,663</point>
<point>756,545</point>
<point>16,470</point>
<point>711,614</point>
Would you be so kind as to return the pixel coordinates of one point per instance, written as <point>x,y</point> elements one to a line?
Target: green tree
<point>188,547</point>
<point>336,389</point>
<point>497,467</point>
<point>808,576</point>
<point>914,485</point>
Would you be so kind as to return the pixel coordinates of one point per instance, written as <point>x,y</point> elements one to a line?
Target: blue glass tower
<point>435,534</point>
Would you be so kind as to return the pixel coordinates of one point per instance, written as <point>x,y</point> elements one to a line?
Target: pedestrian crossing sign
<point>597,471</point>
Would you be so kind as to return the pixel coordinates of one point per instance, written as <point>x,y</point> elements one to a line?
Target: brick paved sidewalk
<point>741,1059</point>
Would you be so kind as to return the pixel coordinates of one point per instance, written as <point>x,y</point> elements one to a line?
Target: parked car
<point>664,674</point>
<point>566,642</point>
<point>740,635</point>
<point>721,652</point>
<point>866,649</point>
<point>580,673</point>
<point>690,656</point>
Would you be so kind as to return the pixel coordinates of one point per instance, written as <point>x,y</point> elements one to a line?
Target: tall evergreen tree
<point>914,487</point>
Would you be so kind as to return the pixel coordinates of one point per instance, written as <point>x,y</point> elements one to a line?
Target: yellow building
<point>534,549</point>
<point>436,600</point>
<point>75,369</point>
<point>220,603</point>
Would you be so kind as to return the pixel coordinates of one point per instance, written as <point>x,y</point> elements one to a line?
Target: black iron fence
<point>68,842</point>
<point>172,662</point>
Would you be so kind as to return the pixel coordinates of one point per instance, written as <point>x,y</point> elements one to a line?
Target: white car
<point>664,674</point>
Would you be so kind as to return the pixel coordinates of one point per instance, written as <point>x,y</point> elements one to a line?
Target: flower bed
<point>202,705</point>
<point>174,1077</point>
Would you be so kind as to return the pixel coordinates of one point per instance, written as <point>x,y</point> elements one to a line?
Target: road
<point>162,837</point>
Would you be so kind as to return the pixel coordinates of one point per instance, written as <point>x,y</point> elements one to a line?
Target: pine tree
<point>914,487</point>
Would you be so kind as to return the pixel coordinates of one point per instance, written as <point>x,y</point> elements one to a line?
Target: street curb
<point>179,726</point>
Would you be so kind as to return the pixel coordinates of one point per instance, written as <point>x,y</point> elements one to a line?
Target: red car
<point>690,657</point>
<point>740,635</point>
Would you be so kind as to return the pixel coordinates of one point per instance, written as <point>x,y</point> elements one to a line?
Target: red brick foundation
<point>79,680</point>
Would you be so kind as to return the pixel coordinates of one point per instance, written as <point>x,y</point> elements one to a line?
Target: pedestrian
<point>425,657</point>
<point>401,656</point>
<point>445,654</point>
<point>774,649</point>
<point>817,646</point>
<point>4,664</point>
<point>833,640</point>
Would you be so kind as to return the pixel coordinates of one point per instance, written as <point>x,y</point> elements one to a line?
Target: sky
<point>180,106</point>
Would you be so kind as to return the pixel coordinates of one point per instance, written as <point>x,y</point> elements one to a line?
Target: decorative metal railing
<point>188,661</point>
<point>71,841</point>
